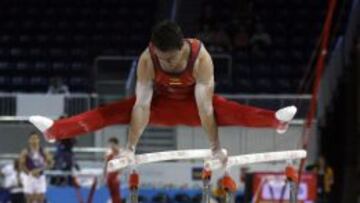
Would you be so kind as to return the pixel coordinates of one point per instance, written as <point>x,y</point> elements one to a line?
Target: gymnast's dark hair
<point>33,133</point>
<point>167,36</point>
<point>113,140</point>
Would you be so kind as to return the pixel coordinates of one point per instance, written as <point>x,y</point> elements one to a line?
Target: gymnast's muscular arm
<point>140,114</point>
<point>204,91</point>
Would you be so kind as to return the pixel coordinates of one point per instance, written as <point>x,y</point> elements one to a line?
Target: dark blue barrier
<point>4,195</point>
<point>68,194</point>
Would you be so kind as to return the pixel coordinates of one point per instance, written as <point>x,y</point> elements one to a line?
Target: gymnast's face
<point>113,146</point>
<point>169,58</point>
<point>34,140</point>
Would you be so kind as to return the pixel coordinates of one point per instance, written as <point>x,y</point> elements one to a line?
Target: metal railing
<point>73,104</point>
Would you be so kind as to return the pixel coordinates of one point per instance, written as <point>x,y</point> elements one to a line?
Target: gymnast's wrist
<point>131,147</point>
<point>215,148</point>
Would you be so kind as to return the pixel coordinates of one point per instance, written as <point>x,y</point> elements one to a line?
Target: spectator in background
<point>240,198</point>
<point>207,17</point>
<point>219,41</point>
<point>243,9</point>
<point>241,40</point>
<point>57,86</point>
<point>260,37</point>
<point>205,34</point>
<point>13,181</point>
<point>259,44</point>
<point>34,160</point>
<point>112,178</point>
<point>219,192</point>
<point>64,161</point>
<point>325,179</point>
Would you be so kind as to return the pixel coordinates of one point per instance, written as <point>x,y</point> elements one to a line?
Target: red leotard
<point>112,180</point>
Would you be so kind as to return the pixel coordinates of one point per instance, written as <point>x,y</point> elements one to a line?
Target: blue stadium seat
<point>42,67</point>
<point>78,67</point>
<point>262,70</point>
<point>20,82</point>
<point>4,54</point>
<point>264,85</point>
<point>244,85</point>
<point>60,68</point>
<point>161,198</point>
<point>196,198</point>
<point>39,84</point>
<point>23,67</point>
<point>4,66</point>
<point>284,85</point>
<point>182,198</point>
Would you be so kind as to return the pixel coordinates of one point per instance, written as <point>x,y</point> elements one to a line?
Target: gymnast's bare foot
<point>285,115</point>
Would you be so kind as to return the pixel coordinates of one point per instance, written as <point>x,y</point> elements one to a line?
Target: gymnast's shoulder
<point>145,65</point>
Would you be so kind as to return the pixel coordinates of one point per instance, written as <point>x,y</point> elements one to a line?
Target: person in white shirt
<point>57,86</point>
<point>13,181</point>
